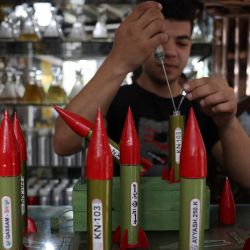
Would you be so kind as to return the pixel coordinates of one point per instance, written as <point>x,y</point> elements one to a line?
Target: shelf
<point>75,50</point>
<point>19,104</point>
<point>64,50</point>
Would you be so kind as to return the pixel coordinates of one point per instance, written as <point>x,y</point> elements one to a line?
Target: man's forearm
<point>99,92</point>
<point>236,152</point>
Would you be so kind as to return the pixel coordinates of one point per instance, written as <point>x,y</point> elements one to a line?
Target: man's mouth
<point>170,66</point>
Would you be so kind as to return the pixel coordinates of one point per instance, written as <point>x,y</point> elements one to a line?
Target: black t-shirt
<point>151,114</point>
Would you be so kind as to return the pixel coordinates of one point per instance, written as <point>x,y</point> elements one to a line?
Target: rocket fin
<point>142,241</point>
<point>165,174</point>
<point>117,235</point>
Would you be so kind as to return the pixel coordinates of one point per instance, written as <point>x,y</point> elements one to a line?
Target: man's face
<point>177,50</point>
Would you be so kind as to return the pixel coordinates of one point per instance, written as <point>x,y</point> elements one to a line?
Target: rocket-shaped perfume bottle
<point>129,234</point>
<point>10,188</point>
<point>99,174</point>
<point>193,172</point>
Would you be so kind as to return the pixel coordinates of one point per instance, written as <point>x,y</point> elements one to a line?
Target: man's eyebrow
<point>183,37</point>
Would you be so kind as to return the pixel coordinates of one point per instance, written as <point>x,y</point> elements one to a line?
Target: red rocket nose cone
<point>227,209</point>
<point>99,165</point>
<point>76,122</point>
<point>129,144</point>
<point>10,164</point>
<point>20,138</point>
<point>193,162</point>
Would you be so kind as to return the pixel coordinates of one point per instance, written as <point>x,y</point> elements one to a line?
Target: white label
<point>115,152</point>
<point>134,203</point>
<point>7,222</point>
<point>194,224</point>
<point>97,222</point>
<point>178,142</point>
<point>22,195</point>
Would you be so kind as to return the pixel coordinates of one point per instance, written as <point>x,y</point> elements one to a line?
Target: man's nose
<point>170,48</point>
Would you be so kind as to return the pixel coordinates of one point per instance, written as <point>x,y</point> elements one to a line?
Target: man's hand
<point>216,98</point>
<point>138,36</point>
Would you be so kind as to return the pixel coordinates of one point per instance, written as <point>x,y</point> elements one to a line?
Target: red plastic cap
<point>77,123</point>
<point>10,164</point>
<point>227,209</point>
<point>193,161</point>
<point>99,164</point>
<point>20,138</point>
<point>129,144</point>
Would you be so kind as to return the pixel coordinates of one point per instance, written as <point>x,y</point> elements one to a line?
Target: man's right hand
<point>138,36</point>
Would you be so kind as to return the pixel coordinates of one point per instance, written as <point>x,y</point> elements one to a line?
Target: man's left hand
<point>216,98</point>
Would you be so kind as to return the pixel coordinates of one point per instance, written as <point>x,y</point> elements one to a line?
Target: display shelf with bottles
<point>72,29</point>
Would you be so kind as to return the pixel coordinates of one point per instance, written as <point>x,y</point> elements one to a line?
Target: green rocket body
<point>129,209</point>
<point>10,229</point>
<point>176,131</point>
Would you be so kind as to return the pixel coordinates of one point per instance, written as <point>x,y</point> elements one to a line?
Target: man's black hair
<point>180,10</point>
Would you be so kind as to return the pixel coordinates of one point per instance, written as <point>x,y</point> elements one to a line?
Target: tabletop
<point>55,231</point>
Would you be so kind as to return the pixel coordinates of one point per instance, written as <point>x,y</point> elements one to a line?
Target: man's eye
<point>182,44</point>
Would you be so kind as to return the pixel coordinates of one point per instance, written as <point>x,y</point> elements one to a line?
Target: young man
<point>213,100</point>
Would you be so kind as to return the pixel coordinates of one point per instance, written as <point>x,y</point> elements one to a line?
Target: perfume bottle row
<point>14,89</point>
<point>33,22</point>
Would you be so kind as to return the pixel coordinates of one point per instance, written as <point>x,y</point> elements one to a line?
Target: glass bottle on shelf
<point>39,83</point>
<point>53,30</point>
<point>79,83</point>
<point>100,30</point>
<point>6,27</point>
<point>9,91</point>
<point>19,87</point>
<point>78,29</point>
<point>29,30</point>
<point>1,81</point>
<point>56,92</point>
<point>32,92</point>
